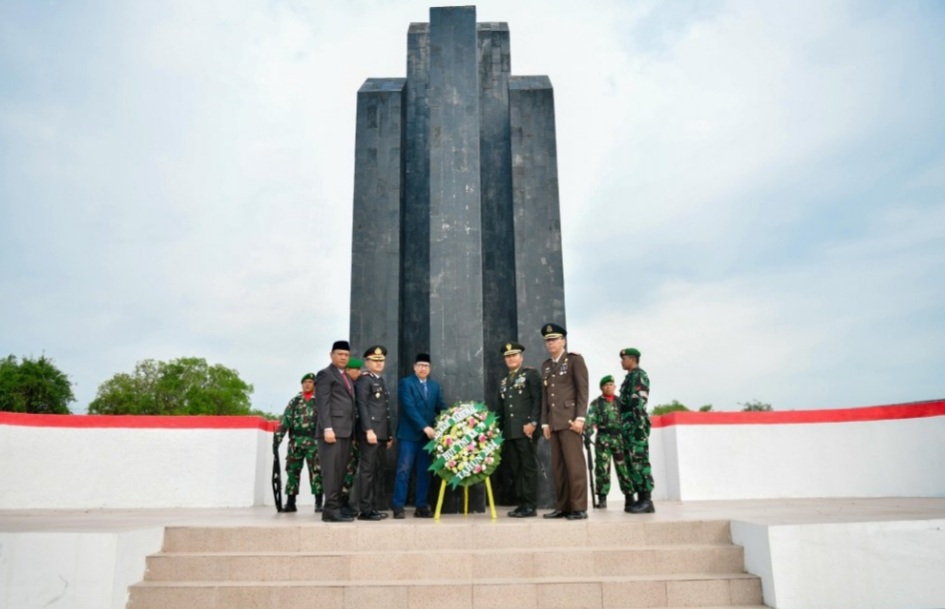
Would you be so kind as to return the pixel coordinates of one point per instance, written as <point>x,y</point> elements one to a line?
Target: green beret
<point>607,379</point>
<point>355,363</point>
<point>631,352</point>
<point>308,377</point>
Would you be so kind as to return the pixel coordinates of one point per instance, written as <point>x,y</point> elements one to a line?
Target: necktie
<point>347,382</point>
<point>423,384</point>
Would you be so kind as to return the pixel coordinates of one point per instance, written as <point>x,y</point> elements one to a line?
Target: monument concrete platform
<point>878,552</point>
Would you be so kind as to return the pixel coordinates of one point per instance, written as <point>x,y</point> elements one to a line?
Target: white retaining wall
<point>64,463</point>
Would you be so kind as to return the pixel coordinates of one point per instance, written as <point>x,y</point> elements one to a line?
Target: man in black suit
<point>334,399</point>
<point>374,434</point>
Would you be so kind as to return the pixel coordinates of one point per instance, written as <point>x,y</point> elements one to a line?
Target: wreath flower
<point>465,448</point>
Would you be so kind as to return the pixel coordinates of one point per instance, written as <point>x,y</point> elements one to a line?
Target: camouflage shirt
<point>634,393</point>
<point>298,420</point>
<point>603,415</point>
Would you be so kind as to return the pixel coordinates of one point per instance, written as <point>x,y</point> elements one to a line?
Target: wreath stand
<point>439,501</point>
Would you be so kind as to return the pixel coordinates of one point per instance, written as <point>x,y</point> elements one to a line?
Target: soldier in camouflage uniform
<point>353,369</point>
<point>299,421</point>
<point>604,417</point>
<point>634,392</point>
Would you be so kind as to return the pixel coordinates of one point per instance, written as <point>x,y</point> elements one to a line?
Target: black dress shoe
<point>525,513</point>
<point>383,515</point>
<point>556,514</point>
<point>578,515</point>
<point>372,515</point>
<point>424,512</point>
<point>398,513</point>
<point>515,513</point>
<point>347,510</point>
<point>328,517</point>
<point>643,506</point>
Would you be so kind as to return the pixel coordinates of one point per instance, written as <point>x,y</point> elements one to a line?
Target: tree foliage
<point>755,406</point>
<point>184,386</point>
<point>34,385</point>
<point>705,408</point>
<point>673,406</point>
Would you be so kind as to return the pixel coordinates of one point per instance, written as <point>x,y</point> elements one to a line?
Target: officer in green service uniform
<point>299,421</point>
<point>604,417</point>
<point>634,392</point>
<point>519,413</point>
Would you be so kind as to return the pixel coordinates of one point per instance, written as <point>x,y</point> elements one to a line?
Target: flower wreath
<point>465,448</point>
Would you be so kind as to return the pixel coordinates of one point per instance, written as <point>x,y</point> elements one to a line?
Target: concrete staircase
<point>458,563</point>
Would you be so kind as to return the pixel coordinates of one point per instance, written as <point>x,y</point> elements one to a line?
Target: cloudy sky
<point>752,193</point>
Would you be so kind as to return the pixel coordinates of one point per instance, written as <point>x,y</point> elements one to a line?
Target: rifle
<point>277,480</point>
<point>590,466</point>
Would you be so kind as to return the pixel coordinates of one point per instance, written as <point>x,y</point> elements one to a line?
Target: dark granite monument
<point>456,243</point>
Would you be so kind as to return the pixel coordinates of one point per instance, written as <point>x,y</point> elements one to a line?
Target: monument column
<point>456,341</point>
<point>539,274</point>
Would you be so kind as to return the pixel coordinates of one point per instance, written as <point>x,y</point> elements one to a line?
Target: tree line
<point>184,386</point>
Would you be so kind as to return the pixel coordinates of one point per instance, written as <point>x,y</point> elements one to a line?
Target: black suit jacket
<point>334,403</point>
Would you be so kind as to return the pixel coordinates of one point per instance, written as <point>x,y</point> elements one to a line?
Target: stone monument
<point>456,243</point>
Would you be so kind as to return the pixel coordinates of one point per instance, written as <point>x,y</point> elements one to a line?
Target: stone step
<point>601,592</point>
<point>311,535</point>
<point>521,562</point>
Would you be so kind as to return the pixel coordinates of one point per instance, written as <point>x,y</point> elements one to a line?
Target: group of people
<point>339,424</point>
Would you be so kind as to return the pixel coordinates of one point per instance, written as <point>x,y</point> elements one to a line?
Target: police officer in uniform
<point>563,410</point>
<point>519,412</point>
<point>374,430</point>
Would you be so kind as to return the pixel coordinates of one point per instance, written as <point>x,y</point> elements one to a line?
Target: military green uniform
<point>634,393</point>
<point>520,404</point>
<point>604,416</point>
<point>299,421</point>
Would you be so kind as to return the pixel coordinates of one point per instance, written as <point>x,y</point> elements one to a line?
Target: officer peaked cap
<point>553,331</point>
<point>376,353</point>
<point>511,348</point>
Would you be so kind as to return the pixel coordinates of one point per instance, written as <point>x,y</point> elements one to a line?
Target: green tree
<point>755,406</point>
<point>34,385</point>
<point>673,406</point>
<point>184,386</point>
<point>705,408</point>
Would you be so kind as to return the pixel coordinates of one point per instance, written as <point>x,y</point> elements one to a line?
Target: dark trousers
<point>570,471</point>
<point>334,461</point>
<point>521,455</point>
<point>369,472</point>
<point>410,457</point>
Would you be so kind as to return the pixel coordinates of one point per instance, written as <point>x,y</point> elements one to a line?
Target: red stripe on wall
<point>135,422</point>
<point>914,410</point>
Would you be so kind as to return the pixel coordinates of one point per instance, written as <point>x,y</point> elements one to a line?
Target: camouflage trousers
<point>636,441</point>
<point>606,448</point>
<point>302,451</point>
<point>351,472</point>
